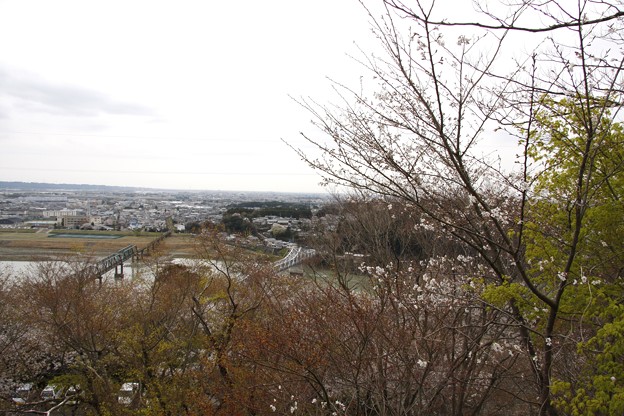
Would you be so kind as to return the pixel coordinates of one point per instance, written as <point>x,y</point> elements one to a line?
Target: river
<point>19,270</point>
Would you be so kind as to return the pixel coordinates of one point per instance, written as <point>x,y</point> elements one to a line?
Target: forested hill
<point>260,209</point>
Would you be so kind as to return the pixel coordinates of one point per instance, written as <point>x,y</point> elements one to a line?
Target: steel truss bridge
<point>117,259</point>
<point>295,256</point>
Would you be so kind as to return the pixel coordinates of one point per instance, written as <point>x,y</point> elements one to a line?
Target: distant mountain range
<point>39,186</point>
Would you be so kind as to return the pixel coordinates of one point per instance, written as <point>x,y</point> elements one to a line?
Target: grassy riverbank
<point>21,245</point>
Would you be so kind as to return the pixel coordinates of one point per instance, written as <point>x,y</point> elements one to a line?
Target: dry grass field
<point>23,245</point>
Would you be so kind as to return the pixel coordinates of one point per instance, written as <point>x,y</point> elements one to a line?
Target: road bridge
<point>295,256</point>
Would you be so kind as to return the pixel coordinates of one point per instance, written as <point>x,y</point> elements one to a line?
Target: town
<point>120,209</point>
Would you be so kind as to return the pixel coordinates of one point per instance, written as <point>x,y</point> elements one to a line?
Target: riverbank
<point>26,245</point>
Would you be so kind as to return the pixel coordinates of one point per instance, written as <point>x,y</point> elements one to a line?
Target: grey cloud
<point>38,95</point>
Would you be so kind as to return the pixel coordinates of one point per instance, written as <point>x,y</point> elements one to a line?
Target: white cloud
<point>186,94</point>
<point>29,93</point>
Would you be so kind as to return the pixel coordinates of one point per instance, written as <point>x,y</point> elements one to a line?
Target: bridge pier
<point>119,273</point>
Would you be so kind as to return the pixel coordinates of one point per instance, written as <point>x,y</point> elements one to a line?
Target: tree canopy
<point>545,232</point>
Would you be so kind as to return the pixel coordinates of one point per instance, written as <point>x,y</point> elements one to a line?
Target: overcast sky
<point>184,95</point>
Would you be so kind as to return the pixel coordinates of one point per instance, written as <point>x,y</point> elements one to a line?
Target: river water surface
<point>19,270</point>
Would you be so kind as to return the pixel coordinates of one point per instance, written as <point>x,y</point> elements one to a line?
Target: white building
<point>61,213</point>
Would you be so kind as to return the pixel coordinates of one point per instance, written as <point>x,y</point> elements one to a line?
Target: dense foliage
<point>270,208</point>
